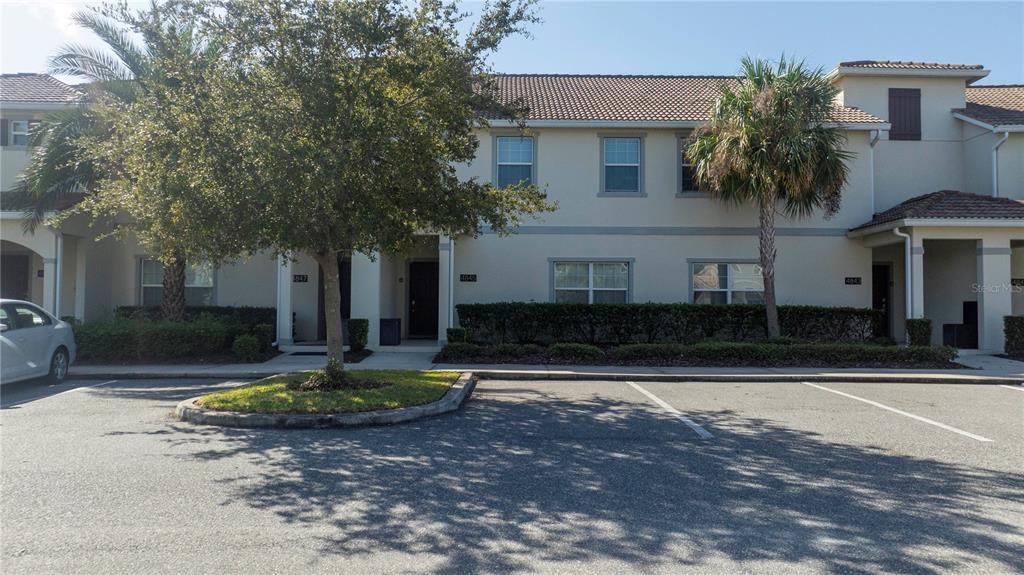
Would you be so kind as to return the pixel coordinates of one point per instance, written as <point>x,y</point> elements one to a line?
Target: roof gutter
<point>655,124</point>
<point>995,164</point>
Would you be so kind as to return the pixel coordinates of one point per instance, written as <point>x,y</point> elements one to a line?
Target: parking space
<point>529,477</point>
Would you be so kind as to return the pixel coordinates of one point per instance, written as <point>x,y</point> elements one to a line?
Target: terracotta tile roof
<point>949,204</point>
<point>626,98</point>
<point>996,105</point>
<point>906,65</point>
<point>36,88</point>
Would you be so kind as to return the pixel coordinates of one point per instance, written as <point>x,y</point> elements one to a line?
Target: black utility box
<point>391,331</point>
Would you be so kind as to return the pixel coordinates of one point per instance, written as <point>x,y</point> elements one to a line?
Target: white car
<point>34,343</point>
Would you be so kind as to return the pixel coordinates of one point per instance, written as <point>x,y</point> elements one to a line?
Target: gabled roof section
<point>613,98</point>
<point>970,72</point>
<point>41,88</point>
<point>949,205</point>
<point>995,106</point>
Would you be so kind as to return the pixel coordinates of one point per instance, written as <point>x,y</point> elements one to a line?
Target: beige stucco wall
<point>904,169</point>
<point>809,270</point>
<point>1011,167</point>
<point>13,159</point>
<point>568,168</point>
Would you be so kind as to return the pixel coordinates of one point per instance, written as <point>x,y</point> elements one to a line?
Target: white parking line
<point>59,393</point>
<point>901,412</point>
<point>1018,388</point>
<point>703,433</point>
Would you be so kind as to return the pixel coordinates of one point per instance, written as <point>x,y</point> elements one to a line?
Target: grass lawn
<point>272,395</point>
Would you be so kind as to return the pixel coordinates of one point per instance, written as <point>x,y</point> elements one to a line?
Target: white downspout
<point>995,164</point>
<point>58,274</point>
<point>875,134</point>
<point>908,277</point>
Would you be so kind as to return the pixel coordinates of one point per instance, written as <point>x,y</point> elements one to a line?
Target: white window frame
<point>590,289</point>
<point>143,285</point>
<point>604,191</point>
<point>729,289</point>
<point>497,158</point>
<point>15,132</point>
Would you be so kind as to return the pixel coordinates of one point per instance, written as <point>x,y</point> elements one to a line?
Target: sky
<point>672,37</point>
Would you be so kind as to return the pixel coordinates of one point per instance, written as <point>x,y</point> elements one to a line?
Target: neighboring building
<point>630,227</point>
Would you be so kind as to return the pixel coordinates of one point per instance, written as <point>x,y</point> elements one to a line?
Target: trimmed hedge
<point>1013,329</point>
<point>123,339</point>
<point>620,324</point>
<point>358,333</point>
<point>457,334</point>
<point>246,348</point>
<point>919,331</point>
<point>716,354</point>
<point>247,315</point>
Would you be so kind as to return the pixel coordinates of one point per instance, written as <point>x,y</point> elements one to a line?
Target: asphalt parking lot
<point>552,477</point>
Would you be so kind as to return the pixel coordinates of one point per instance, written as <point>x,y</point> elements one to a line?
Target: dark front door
<point>423,299</point>
<point>881,296</point>
<point>14,276</point>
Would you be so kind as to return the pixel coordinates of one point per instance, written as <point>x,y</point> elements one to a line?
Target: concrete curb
<point>741,378</point>
<point>188,411</point>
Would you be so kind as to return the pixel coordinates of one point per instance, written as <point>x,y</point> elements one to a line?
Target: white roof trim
<point>972,74</point>
<point>938,223</point>
<point>659,124</point>
<point>980,124</point>
<point>38,106</point>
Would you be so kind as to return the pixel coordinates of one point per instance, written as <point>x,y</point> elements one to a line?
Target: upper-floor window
<point>591,282</point>
<point>720,283</point>
<point>19,132</point>
<point>198,283</point>
<point>515,161</point>
<point>905,113</point>
<point>620,165</point>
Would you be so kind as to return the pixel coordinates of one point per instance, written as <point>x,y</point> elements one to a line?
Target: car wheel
<point>59,366</point>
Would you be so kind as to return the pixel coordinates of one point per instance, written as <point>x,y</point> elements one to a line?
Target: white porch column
<point>917,277</point>
<point>445,287</point>
<point>81,247</point>
<point>366,294</point>
<point>58,272</point>
<point>50,285</point>
<point>284,301</point>
<point>994,293</point>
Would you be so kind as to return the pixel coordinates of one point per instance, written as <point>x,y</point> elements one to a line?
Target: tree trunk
<point>332,304</point>
<point>767,237</point>
<point>172,306</point>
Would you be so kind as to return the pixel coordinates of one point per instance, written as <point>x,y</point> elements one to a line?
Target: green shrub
<point>646,351</point>
<point>331,378</point>
<point>621,324</point>
<point>504,351</point>
<point>243,314</point>
<point>459,351</point>
<point>122,339</point>
<point>919,331</point>
<point>246,348</point>
<point>457,334</point>
<point>1013,329</point>
<point>264,332</point>
<point>575,352</point>
<point>358,332</point>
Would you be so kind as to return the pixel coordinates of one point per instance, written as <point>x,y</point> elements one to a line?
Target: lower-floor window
<point>720,283</point>
<point>198,283</point>
<point>591,282</point>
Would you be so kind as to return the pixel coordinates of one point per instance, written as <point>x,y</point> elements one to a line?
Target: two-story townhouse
<point>630,227</point>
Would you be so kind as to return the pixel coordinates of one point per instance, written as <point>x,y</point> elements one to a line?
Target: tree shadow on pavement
<point>521,478</point>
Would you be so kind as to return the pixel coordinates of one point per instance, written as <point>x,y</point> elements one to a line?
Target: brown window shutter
<point>905,114</point>
<point>5,130</point>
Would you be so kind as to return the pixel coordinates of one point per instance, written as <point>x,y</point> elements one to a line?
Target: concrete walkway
<point>983,366</point>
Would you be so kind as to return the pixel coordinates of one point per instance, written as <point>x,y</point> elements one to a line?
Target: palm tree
<point>769,144</point>
<point>59,171</point>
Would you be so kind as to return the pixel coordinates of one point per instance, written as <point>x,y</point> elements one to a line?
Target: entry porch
<point>406,297</point>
